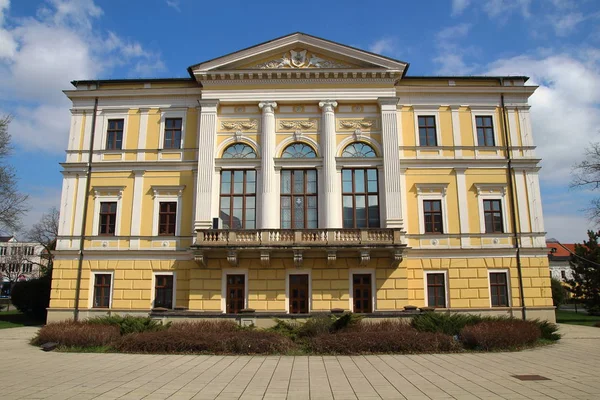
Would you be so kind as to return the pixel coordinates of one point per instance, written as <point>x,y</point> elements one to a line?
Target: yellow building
<point>298,176</point>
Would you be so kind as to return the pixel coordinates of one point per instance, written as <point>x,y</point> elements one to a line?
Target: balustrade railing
<point>301,237</point>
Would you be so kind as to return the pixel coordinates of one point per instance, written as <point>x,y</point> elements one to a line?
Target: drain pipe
<point>84,212</point>
<point>513,206</point>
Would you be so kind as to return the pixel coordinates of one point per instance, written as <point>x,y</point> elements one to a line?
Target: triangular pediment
<point>299,51</point>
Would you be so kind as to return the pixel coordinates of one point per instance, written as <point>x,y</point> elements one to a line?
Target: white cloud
<point>385,46</point>
<point>458,6</point>
<point>565,110</point>
<point>174,4</point>
<point>501,9</point>
<point>40,55</point>
<point>451,53</point>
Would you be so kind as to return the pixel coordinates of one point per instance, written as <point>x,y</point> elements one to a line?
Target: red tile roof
<point>560,250</point>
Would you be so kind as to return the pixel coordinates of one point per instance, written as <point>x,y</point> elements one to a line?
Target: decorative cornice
<point>296,59</point>
<point>161,190</point>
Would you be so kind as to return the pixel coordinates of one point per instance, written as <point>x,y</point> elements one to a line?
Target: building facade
<point>19,261</point>
<point>299,176</point>
<point>559,257</point>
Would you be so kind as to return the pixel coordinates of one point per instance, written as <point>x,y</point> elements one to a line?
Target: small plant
<point>500,335</point>
<point>315,326</point>
<point>129,324</point>
<point>346,320</point>
<point>548,329</point>
<point>450,324</point>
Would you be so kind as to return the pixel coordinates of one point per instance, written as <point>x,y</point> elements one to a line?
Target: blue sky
<point>45,44</point>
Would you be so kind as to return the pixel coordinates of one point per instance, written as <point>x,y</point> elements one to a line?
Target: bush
<point>346,320</point>
<point>500,335</point>
<point>559,292</point>
<point>286,328</point>
<point>32,297</point>
<point>205,326</point>
<point>450,324</point>
<point>386,325</point>
<point>129,324</point>
<point>316,325</point>
<point>79,334</point>
<point>232,342</point>
<point>408,340</point>
<point>597,324</point>
<point>548,329</point>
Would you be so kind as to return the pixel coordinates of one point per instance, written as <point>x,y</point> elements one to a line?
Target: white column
<point>141,150</point>
<point>463,209</point>
<point>512,131</point>
<point>331,210</point>
<point>207,133</point>
<point>525,125</point>
<point>391,162</point>
<point>456,131</point>
<point>268,194</point>
<point>136,207</point>
<point>535,206</point>
<point>521,196</point>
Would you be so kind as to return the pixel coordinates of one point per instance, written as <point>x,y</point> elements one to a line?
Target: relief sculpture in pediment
<point>301,59</point>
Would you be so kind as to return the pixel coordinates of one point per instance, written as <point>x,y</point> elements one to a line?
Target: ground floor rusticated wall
<point>201,288</point>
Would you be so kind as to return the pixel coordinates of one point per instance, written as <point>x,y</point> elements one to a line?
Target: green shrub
<point>386,325</point>
<point>204,326</point>
<point>77,334</point>
<point>449,324</point>
<point>286,328</point>
<point>346,320</point>
<point>500,334</point>
<point>559,292</point>
<point>315,326</point>
<point>548,329</point>
<point>32,297</point>
<point>129,324</point>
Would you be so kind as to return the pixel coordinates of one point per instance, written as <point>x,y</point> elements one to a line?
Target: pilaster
<point>331,217</point>
<point>391,162</point>
<point>456,131</point>
<point>136,208</point>
<point>463,209</point>
<point>207,133</point>
<point>268,195</point>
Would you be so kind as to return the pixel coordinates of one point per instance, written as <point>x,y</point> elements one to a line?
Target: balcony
<point>297,243</point>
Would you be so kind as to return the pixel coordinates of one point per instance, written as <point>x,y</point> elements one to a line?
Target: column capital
<point>388,103</point>
<point>208,105</point>
<point>328,105</point>
<point>267,106</point>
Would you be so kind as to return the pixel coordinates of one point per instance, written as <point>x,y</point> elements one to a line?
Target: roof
<point>478,77</point>
<point>557,252</point>
<point>5,239</point>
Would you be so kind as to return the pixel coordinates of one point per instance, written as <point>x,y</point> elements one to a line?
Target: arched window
<point>239,150</point>
<point>298,150</point>
<point>358,149</point>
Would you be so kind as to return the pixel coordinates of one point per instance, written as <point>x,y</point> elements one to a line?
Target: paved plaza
<point>572,368</point>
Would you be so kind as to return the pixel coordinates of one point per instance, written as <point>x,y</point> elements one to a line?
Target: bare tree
<point>45,233</point>
<point>13,204</point>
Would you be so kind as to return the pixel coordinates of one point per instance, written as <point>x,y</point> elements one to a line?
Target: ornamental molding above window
<point>358,150</point>
<point>239,150</point>
<point>490,188</point>
<point>243,125</point>
<point>298,150</point>
<point>106,191</point>
<point>352,124</point>
<point>293,125</point>
<point>432,188</point>
<point>167,190</point>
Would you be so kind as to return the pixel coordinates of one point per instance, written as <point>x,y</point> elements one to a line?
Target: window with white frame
<point>102,283</point>
<point>167,210</point>
<point>107,210</point>
<point>427,127</point>
<point>492,208</point>
<point>172,129</point>
<point>499,288</point>
<point>164,289</point>
<point>485,132</point>
<point>433,214</point>
<point>436,290</point>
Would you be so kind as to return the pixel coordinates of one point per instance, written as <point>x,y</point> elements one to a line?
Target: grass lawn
<point>570,317</point>
<point>15,319</point>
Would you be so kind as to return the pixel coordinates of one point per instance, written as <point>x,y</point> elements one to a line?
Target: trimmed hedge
<point>32,297</point>
<point>500,335</point>
<point>77,334</point>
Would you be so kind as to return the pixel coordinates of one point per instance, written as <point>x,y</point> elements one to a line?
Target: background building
<point>559,256</point>
<point>301,175</point>
<point>19,261</point>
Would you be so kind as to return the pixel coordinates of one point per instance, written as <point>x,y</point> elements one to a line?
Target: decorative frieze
<point>293,125</point>
<point>352,124</point>
<point>300,58</point>
<point>242,125</point>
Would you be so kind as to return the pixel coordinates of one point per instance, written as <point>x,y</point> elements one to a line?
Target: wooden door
<point>362,293</point>
<point>299,295</point>
<point>236,293</point>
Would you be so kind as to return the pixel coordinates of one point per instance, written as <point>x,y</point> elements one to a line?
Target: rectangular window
<point>299,295</point>
<point>238,199</point>
<point>236,294</point>
<point>436,290</point>
<point>108,218</point>
<point>432,215</point>
<point>492,210</point>
<point>563,275</point>
<point>427,131</point>
<point>172,133</point>
<point>299,199</point>
<point>360,199</point>
<point>485,131</point>
<point>499,289</point>
<point>102,290</point>
<point>2,251</point>
<point>114,134</point>
<point>362,293</point>
<point>167,215</point>
<point>163,291</point>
